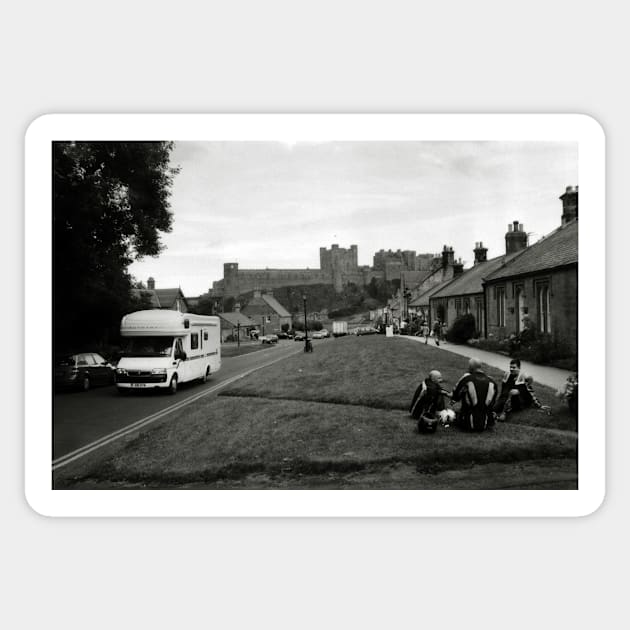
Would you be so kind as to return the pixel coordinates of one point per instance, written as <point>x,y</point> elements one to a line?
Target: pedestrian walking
<point>437,328</point>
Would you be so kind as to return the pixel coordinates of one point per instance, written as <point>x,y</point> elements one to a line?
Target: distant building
<point>236,324</point>
<point>338,267</point>
<point>171,299</point>
<point>266,312</point>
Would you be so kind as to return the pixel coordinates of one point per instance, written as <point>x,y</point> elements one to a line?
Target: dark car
<point>82,371</point>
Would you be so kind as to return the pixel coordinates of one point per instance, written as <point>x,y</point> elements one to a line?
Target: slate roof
<point>275,305</point>
<point>162,298</point>
<point>558,249</point>
<point>470,281</point>
<point>167,297</point>
<point>423,300</point>
<point>138,293</point>
<point>236,317</point>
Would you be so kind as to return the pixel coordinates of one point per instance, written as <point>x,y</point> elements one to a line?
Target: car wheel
<point>85,384</point>
<point>172,388</point>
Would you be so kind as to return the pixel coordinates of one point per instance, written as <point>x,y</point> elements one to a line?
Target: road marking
<point>66,459</point>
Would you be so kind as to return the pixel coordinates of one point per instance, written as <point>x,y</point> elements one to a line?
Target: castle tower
<point>569,204</point>
<point>151,284</point>
<point>230,279</point>
<point>515,238</point>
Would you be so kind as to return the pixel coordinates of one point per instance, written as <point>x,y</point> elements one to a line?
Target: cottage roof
<point>235,318</point>
<point>470,281</point>
<point>162,298</point>
<point>423,299</point>
<point>167,297</point>
<point>150,293</point>
<point>557,249</point>
<point>275,305</point>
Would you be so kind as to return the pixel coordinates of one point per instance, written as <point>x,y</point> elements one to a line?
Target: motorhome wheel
<point>172,389</point>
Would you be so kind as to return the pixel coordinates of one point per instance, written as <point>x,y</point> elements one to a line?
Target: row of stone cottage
<point>537,282</point>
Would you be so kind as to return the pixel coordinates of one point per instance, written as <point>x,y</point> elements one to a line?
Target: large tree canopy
<point>110,205</point>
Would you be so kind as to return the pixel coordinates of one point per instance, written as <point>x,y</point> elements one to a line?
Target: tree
<point>110,206</point>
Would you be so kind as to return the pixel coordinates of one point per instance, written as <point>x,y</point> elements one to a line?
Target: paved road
<point>550,376</point>
<point>82,418</point>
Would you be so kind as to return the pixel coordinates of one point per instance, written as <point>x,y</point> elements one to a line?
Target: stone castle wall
<point>338,266</point>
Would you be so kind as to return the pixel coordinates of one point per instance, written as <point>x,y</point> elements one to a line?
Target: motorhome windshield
<point>147,346</point>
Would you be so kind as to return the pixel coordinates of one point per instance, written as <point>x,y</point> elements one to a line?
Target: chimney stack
<point>448,256</point>
<point>515,238</point>
<point>151,284</point>
<point>569,204</point>
<point>458,268</point>
<point>481,253</point>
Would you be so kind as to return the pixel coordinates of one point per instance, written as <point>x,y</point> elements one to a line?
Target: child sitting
<point>569,393</point>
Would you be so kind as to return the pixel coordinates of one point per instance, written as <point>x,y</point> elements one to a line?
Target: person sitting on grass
<point>429,403</point>
<point>569,393</point>
<point>477,393</point>
<point>517,392</point>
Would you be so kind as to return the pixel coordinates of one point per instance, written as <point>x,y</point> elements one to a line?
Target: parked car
<point>318,334</point>
<point>82,371</point>
<point>299,336</point>
<point>268,339</point>
<point>282,335</point>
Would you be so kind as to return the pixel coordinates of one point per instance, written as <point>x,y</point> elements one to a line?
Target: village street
<point>84,422</point>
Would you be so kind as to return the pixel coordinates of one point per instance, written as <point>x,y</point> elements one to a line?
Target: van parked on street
<point>163,348</point>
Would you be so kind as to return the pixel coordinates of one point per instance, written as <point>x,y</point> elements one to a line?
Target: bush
<point>545,350</point>
<point>462,330</point>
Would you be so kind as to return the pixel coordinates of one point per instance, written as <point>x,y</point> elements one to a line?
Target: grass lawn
<point>337,418</point>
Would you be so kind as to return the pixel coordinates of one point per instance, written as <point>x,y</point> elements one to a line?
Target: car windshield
<point>147,346</point>
<point>66,361</point>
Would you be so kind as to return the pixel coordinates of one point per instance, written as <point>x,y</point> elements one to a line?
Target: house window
<point>500,306</point>
<point>194,341</point>
<point>458,307</point>
<point>467,306</point>
<point>543,308</point>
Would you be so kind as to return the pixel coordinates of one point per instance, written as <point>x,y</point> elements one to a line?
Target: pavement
<point>550,376</point>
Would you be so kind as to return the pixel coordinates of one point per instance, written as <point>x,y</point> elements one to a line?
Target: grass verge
<point>340,412</point>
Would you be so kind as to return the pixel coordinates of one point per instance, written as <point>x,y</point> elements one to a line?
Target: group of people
<point>435,332</point>
<point>481,402</point>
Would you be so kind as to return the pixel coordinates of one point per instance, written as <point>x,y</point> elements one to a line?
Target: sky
<point>274,204</point>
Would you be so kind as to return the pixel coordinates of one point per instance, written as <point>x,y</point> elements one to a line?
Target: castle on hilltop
<point>338,267</point>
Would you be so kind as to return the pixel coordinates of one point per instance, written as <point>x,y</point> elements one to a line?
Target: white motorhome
<point>163,348</point>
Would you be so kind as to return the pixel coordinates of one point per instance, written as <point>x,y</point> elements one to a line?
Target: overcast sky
<point>272,204</point>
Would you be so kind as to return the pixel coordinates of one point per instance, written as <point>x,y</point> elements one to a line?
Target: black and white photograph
<point>315,315</point>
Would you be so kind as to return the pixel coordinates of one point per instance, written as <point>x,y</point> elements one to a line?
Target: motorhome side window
<point>178,347</point>
<point>194,341</point>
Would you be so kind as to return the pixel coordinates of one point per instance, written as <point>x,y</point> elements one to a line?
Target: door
<point>520,306</point>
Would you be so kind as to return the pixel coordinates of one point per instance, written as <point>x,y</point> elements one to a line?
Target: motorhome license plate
<point>138,384</point>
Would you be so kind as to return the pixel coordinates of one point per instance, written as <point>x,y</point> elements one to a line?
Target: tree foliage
<point>110,206</point>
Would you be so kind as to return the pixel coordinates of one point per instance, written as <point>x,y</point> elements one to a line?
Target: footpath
<point>550,376</point>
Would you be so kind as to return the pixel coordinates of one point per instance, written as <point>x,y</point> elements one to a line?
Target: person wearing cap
<point>517,392</point>
<point>477,393</point>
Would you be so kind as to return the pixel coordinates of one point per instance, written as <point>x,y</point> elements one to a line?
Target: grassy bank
<point>341,410</point>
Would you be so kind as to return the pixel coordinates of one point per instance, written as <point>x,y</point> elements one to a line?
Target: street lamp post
<point>305,325</point>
